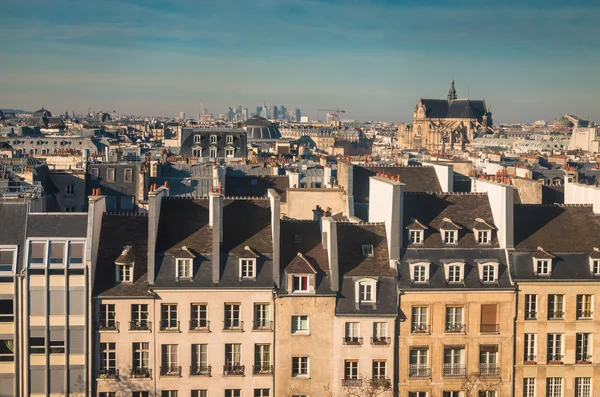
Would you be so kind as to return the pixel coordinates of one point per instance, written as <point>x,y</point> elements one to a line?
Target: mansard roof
<point>184,222</point>
<point>352,262</point>
<point>454,109</point>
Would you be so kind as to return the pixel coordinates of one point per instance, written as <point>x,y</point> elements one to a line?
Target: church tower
<point>451,92</point>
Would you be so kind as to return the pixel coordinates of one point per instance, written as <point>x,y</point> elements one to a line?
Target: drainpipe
<point>274,297</point>
<point>515,338</point>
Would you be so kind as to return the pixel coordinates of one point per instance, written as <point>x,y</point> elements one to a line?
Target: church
<point>445,124</point>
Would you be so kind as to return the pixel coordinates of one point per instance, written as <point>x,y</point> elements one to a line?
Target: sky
<point>529,59</point>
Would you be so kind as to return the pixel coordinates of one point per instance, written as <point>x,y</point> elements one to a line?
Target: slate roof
<point>57,225</point>
<point>300,265</point>
<point>256,186</point>
<point>117,231</point>
<point>12,231</point>
<point>462,209</point>
<point>416,179</point>
<point>556,228</point>
<point>247,223</point>
<point>565,266</point>
<point>437,277</point>
<point>455,109</point>
<point>184,222</point>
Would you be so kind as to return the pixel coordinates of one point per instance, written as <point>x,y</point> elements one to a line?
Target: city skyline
<point>373,60</point>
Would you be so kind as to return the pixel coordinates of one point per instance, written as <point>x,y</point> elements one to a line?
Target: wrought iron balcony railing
<point>456,327</point>
<point>140,325</point>
<point>170,370</point>
<point>107,325</point>
<point>108,373</point>
<point>419,371</point>
<point>139,372</point>
<point>489,370</point>
<point>381,341</point>
<point>169,325</point>
<point>263,325</point>
<point>200,325</point>
<point>455,370</point>
<point>420,328</point>
<point>233,325</point>
<point>351,382</point>
<point>197,370</point>
<point>262,369</point>
<point>234,369</point>
<point>353,340</point>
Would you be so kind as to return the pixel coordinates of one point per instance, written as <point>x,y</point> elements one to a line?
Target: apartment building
<point>556,264</point>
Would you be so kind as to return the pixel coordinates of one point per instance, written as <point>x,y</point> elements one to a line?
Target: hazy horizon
<point>529,60</point>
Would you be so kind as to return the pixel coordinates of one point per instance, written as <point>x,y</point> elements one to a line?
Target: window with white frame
<point>454,359</point>
<point>583,387</point>
<point>300,366</point>
<point>229,139</point>
<point>420,319</point>
<point>455,319</point>
<point>128,174</point>
<point>451,393</point>
<point>8,258</point>
<point>367,250</point>
<point>139,317</point>
<point>530,348</point>
<point>262,316</point>
<point>199,393</point>
<point>584,306</point>
<point>197,138</point>
<point>184,268</point>
<point>168,316</point>
<point>352,335</point>
<point>350,369</point>
<point>380,332</point>
<point>450,236</point>
<point>555,307</point>
<point>530,307</point>
<point>455,273</point>
<point>229,152</point>
<point>418,393</point>
<point>233,354</point>
<point>213,139</point>
<point>169,393</point>
<point>169,360</point>
<point>489,272</point>
<point>543,267</point>
<point>108,359</point>
<point>529,387</point>
<point>555,347</point>
<point>110,174</point>
<point>106,317</point>
<point>232,316</point>
<point>37,253</point>
<point>233,392</point>
<point>248,268</point>
<point>366,291</point>
<point>213,152</point>
<point>595,268</point>
<point>141,356</point>
<point>483,236</point>
<point>583,351</point>
<point>70,189</point>
<point>299,283</point>
<point>199,316</point>
<point>416,236</point>
<point>199,358</point>
<point>420,273</point>
<point>487,393</point>
<point>554,387</point>
<point>262,393</point>
<point>124,272</point>
<point>379,369</point>
<point>299,324</point>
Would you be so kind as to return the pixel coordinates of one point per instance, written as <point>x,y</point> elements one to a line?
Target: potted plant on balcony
<point>584,361</point>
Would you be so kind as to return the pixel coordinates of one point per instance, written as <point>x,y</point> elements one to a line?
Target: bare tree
<point>473,385</point>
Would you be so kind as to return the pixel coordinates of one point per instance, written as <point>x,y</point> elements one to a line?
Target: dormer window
<point>197,138</point>
<point>299,283</point>
<point>248,268</point>
<point>125,263</point>
<point>450,236</point>
<point>483,231</point>
<point>483,236</point>
<point>229,139</point>
<point>419,272</point>
<point>365,290</point>
<point>542,267</point>
<point>449,231</point>
<point>416,236</point>
<point>595,262</point>
<point>367,250</point>
<point>488,271</point>
<point>124,272</point>
<point>455,272</point>
<point>184,268</point>
<point>213,139</point>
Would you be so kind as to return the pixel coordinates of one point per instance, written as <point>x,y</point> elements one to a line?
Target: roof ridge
<point>130,214</point>
<point>555,205</point>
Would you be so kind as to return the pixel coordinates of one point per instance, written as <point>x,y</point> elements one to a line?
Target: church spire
<point>451,91</point>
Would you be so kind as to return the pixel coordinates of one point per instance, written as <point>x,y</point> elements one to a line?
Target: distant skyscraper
<point>298,114</point>
<point>264,111</point>
<point>283,112</point>
<point>245,114</point>
<point>274,112</point>
<point>259,110</point>
<point>181,116</point>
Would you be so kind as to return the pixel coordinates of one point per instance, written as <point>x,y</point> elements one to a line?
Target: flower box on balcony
<point>419,331</point>
<point>583,362</point>
<point>555,362</point>
<point>530,362</point>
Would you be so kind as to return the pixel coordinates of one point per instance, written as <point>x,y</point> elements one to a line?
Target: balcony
<point>381,341</point>
<point>419,371</point>
<point>140,373</point>
<point>204,370</point>
<point>455,328</point>
<point>170,370</point>
<point>489,370</point>
<point>530,315</point>
<point>419,328</point>
<point>108,373</point>
<point>489,328</point>
<point>556,315</point>
<point>262,369</point>
<point>200,325</point>
<point>381,383</point>
<point>455,370</point>
<point>555,358</point>
<point>233,370</point>
<point>353,340</point>
<point>103,326</point>
<point>584,314</point>
<point>262,325</point>
<point>351,382</point>
<point>583,358</point>
<point>169,325</point>
<point>233,325</point>
<point>530,359</point>
<point>140,325</point>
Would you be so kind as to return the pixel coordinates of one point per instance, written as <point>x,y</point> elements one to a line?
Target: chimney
<point>386,206</point>
<point>275,200</point>
<point>329,240</point>
<point>216,224</point>
<point>154,203</point>
<point>501,198</point>
<point>327,176</point>
<point>96,209</point>
<point>294,177</point>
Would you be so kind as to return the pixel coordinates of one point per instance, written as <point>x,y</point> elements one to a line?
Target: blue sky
<point>529,59</point>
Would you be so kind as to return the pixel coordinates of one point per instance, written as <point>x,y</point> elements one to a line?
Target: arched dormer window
<point>366,291</point>
<point>197,138</point>
<point>124,265</point>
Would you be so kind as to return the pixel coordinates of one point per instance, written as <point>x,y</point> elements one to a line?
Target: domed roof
<point>562,121</point>
<point>258,127</point>
<point>42,113</point>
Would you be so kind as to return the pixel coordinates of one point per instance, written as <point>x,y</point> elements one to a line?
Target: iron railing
<point>107,373</point>
<point>233,369</point>
<point>169,325</point>
<point>455,327</point>
<point>489,328</point>
<point>140,325</point>
<point>489,370</point>
<point>262,369</point>
<point>196,370</point>
<point>351,382</point>
<point>199,325</point>
<point>381,340</point>
<point>420,328</point>
<point>353,340</point>
<point>454,370</point>
<point>235,325</point>
<point>170,370</point>
<point>263,325</point>
<point>139,372</point>
<point>419,371</point>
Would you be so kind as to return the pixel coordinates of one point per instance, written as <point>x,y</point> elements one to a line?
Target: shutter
<point>76,340</point>
<point>488,314</point>
<point>76,381</point>
<point>37,380</point>
<point>7,385</point>
<point>37,302</point>
<point>57,301</point>
<point>77,301</point>
<point>57,380</point>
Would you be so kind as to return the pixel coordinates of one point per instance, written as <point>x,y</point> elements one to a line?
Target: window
<point>416,236</point>
<point>543,268</point>
<point>350,369</point>
<point>380,333</point>
<point>229,139</point>
<point>7,260</point>
<point>76,253</point>
<point>232,316</point>
<point>583,352</point>
<point>229,152</point>
<point>7,350</point>
<point>70,190</point>
<point>299,366</point>
<point>197,138</point>
<point>420,320</point>
<point>489,318</point>
<point>529,387</point>
<point>108,359</point>
<point>111,203</point>
<point>554,387</point>
<point>488,274</point>
<point>454,274</point>
<point>168,393</point>
<point>454,319</point>
<point>184,268</point>
<point>110,174</point>
<point>247,268</point>
<point>213,139</point>
<point>199,393</point>
<point>487,393</point>
<point>488,360</point>
<point>37,253</point>
<point>199,359</point>
<point>450,236</point>
<point>57,253</point>
<point>124,273</point>
<point>454,362</point>
<point>365,291</point>
<point>417,394</point>
<point>261,393</point>
<point>69,209</point>
<point>199,316</point>
<point>106,318</point>
<point>107,394</point>
<point>262,316</point>
<point>555,347</point>
<point>453,393</point>
<point>352,334</point>
<point>233,356</point>
<point>367,250</point>
<point>483,236</point>
<point>56,346</point>
<point>584,306</point>
<point>94,174</point>
<point>233,392</point>
<point>139,317</point>
<point>262,359</point>
<point>530,307</point>
<point>169,360</point>
<point>128,175</point>
<point>140,394</point>
<point>419,363</point>
<point>168,317</point>
<point>37,345</point>
<point>555,307</point>
<point>141,356</point>
<point>583,387</point>
<point>7,314</point>
<point>197,152</point>
<point>299,283</point>
<point>596,267</point>
<point>299,324</point>
<point>530,347</point>
<point>213,152</point>
<point>420,274</point>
